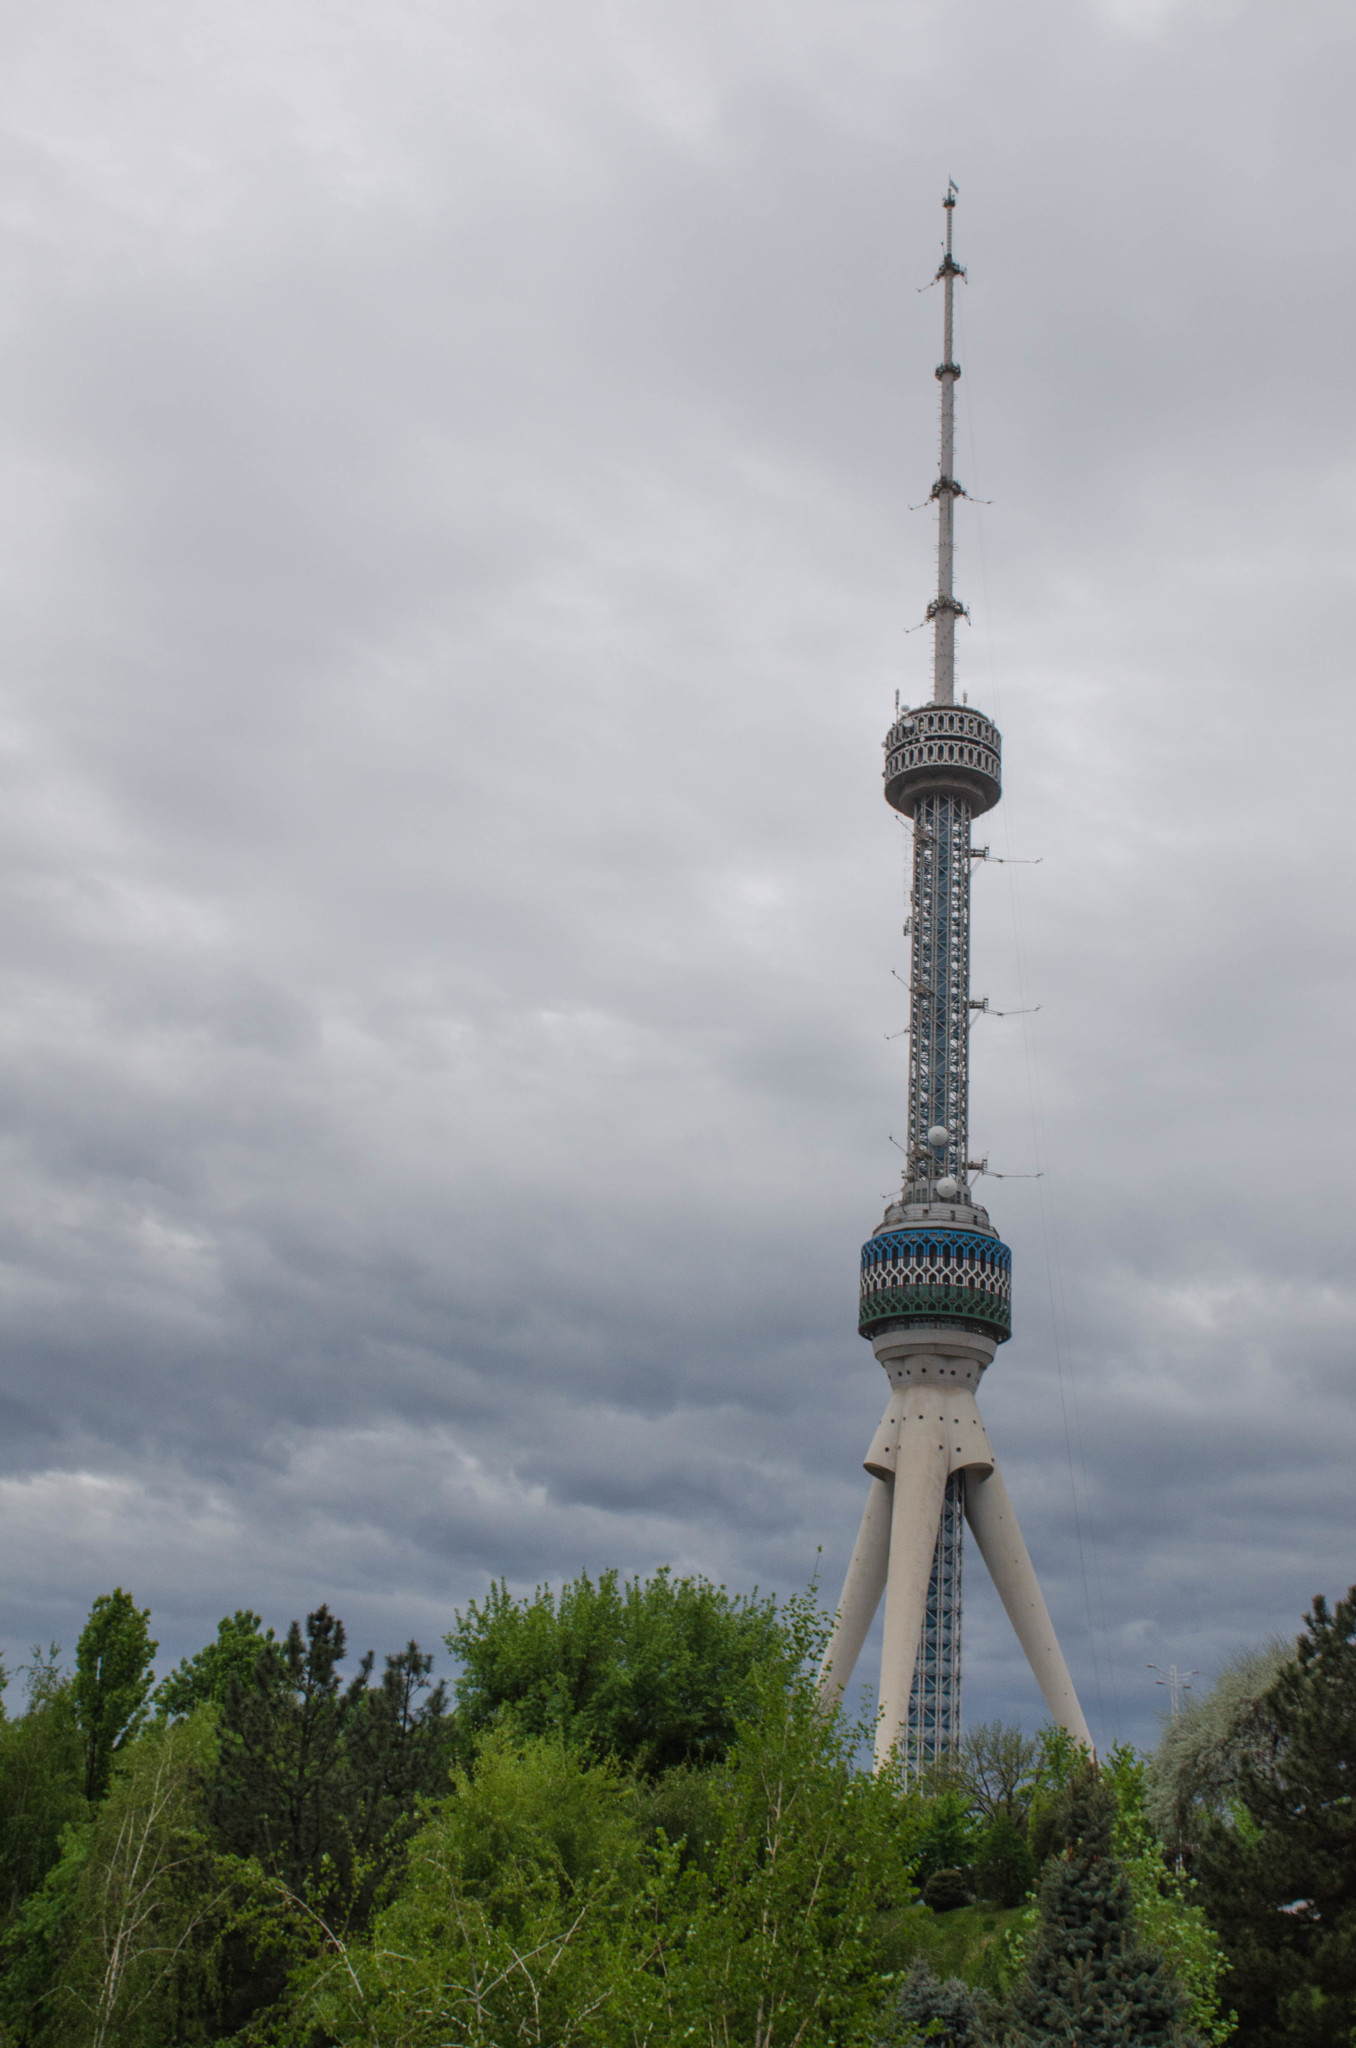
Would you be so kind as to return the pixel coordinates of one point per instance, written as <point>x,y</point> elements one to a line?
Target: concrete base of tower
<point>916,1511</point>
<point>931,1429</point>
<point>862,1588</point>
<point>933,1374</point>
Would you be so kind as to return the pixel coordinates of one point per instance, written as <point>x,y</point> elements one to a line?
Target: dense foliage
<point>1197,1770</point>
<point>1278,1875</point>
<point>164,1872</point>
<point>630,1825</point>
<point>654,1672</point>
<point>113,1680</point>
<point>1168,1911</point>
<point>42,1770</point>
<point>944,2010</point>
<point>1089,1976</point>
<point>536,1911</point>
<point>118,1944</point>
<point>206,1677</point>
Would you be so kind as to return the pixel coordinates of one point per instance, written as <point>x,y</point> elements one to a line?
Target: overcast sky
<point>457,566</point>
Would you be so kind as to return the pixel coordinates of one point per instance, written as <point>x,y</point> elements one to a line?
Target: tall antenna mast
<point>945,608</point>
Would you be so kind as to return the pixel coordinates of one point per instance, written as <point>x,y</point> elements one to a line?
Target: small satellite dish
<point>939,1135</point>
<point>948,1189</point>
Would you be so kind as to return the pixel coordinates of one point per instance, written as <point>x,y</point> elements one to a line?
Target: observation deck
<point>945,750</point>
<point>922,1267</point>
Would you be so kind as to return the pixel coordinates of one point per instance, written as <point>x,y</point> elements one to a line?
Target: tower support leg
<point>920,1483</point>
<point>862,1588</point>
<point>990,1514</point>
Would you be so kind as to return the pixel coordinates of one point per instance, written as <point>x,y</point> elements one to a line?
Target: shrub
<point>947,1889</point>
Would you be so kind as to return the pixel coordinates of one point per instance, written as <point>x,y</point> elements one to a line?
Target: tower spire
<point>944,609</point>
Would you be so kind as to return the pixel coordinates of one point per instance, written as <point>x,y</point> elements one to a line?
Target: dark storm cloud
<point>456,563</point>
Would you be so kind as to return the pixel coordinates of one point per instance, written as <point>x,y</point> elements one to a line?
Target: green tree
<point>524,1915</point>
<point>1279,1882</point>
<point>113,1680</point>
<point>682,1806</point>
<point>1005,1868</point>
<point>544,1903</point>
<point>399,1752</point>
<point>653,1671</point>
<point>1088,1977</point>
<point>1168,1909</point>
<point>948,1889</point>
<point>207,1676</point>
<point>42,1777</point>
<point>998,1769</point>
<point>283,1787</point>
<point>116,1949</point>
<point>1198,1767</point>
<point>780,1946</point>
<point>943,2010</point>
<point>1062,1760</point>
<point>943,1831</point>
<point>318,1780</point>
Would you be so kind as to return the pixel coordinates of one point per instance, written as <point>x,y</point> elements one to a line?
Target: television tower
<point>936,1278</point>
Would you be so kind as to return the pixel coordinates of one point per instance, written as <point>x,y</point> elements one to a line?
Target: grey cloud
<point>456,564</point>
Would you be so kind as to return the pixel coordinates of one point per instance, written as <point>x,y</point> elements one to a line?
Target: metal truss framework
<point>939,1011</point>
<point>939,1097</point>
<point>935,1700</point>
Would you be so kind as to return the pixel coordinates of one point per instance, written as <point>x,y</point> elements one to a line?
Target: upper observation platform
<point>943,750</point>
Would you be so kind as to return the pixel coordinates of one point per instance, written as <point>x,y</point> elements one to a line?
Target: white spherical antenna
<point>939,1135</point>
<point>948,1189</point>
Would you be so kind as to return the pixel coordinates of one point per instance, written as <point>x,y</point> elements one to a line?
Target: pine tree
<point>1088,1978</point>
<point>1280,1884</point>
<point>283,1791</point>
<point>399,1746</point>
<point>320,1780</point>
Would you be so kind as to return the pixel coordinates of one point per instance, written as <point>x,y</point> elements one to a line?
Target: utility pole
<point>1177,1682</point>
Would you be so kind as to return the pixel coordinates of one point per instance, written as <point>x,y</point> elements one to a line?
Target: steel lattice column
<point>940,1007</point>
<point>935,1701</point>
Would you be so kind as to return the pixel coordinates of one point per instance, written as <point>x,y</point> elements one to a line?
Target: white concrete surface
<point>990,1514</point>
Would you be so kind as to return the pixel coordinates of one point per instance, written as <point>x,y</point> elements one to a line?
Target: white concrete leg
<point>990,1515</point>
<point>862,1588</point>
<point>920,1483</point>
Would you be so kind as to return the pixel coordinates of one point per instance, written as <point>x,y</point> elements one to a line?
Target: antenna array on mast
<point>945,608</point>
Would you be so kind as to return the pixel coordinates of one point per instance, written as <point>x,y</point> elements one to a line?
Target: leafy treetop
<point>113,1680</point>
<point>654,1672</point>
<point>206,1677</point>
<point>1279,1878</point>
